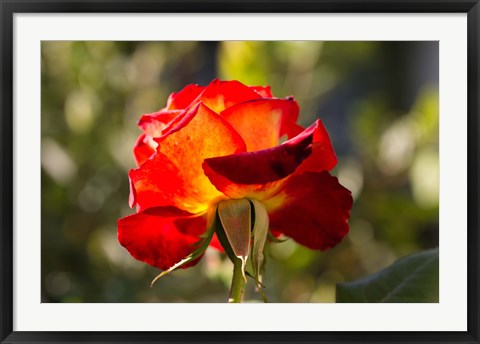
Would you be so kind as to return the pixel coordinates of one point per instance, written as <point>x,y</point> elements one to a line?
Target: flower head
<point>215,143</point>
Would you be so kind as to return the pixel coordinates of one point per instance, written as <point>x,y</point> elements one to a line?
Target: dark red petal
<point>156,240</point>
<point>263,91</point>
<point>313,209</point>
<point>182,99</point>
<point>323,156</point>
<point>142,150</point>
<point>219,95</point>
<point>261,174</point>
<point>261,122</point>
<point>262,166</point>
<point>251,172</point>
<point>169,211</point>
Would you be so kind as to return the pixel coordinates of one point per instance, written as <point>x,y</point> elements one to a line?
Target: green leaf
<point>413,278</point>
<point>203,243</point>
<point>260,232</point>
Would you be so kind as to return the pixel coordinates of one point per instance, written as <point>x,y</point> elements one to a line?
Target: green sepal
<point>222,238</point>
<point>260,233</point>
<point>236,218</point>
<point>203,244</point>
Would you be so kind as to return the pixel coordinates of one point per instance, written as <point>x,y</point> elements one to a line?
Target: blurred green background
<point>378,100</point>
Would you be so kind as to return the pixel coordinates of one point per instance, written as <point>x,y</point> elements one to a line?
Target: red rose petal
<point>183,98</point>
<point>142,150</point>
<point>157,240</point>
<point>260,122</point>
<point>215,243</point>
<point>187,226</point>
<point>313,209</point>
<point>293,129</point>
<point>132,198</point>
<point>186,222</point>
<point>153,124</point>
<point>263,91</point>
<point>219,95</point>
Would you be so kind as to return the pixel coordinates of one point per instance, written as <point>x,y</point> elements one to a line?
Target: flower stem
<point>238,282</point>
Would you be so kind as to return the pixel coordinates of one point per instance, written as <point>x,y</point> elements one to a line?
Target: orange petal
<point>259,174</point>
<point>220,95</point>
<point>159,240</point>
<point>174,175</point>
<point>261,121</point>
<point>153,125</point>
<point>312,208</point>
<point>157,182</point>
<point>183,98</point>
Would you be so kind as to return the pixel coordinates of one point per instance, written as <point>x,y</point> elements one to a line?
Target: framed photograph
<point>314,162</point>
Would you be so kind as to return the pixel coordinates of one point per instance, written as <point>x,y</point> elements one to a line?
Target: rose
<point>221,142</point>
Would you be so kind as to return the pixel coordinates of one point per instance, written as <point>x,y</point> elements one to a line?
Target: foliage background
<point>378,100</point>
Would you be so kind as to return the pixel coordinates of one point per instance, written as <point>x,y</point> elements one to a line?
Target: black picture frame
<point>10,7</point>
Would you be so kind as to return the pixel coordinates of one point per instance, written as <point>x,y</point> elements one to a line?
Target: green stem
<point>238,282</point>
